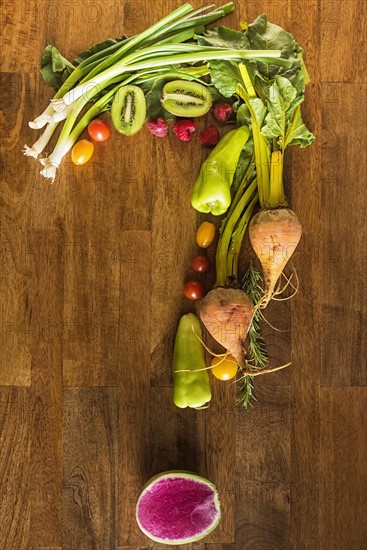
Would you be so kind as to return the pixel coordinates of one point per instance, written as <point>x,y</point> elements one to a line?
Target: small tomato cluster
<point>83,149</point>
<point>194,289</point>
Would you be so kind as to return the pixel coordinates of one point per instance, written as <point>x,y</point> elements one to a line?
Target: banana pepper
<point>190,385</point>
<point>212,189</point>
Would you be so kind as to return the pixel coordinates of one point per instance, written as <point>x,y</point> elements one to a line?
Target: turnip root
<point>274,235</point>
<point>227,314</point>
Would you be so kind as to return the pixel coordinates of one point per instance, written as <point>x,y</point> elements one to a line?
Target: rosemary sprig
<point>245,391</point>
<point>258,357</point>
<point>251,285</point>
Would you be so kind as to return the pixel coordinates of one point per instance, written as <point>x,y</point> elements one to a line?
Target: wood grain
<point>89,468</point>
<point>344,330</point>
<point>91,275</point>
<point>343,473</point>
<point>15,446</point>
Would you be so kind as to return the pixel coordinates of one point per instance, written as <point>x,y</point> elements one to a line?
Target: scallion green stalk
<point>190,54</point>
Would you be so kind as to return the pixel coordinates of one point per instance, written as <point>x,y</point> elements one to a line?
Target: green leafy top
<point>55,68</point>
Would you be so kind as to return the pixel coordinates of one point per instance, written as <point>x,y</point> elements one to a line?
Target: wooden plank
<point>46,328</point>
<point>305,307</point>
<point>15,445</point>
<point>263,471</point>
<point>91,307</point>
<point>216,437</point>
<point>343,480</point>
<point>344,265</point>
<point>342,51</point>
<point>89,468</point>
<point>173,244</point>
<point>15,307</point>
<point>133,379</point>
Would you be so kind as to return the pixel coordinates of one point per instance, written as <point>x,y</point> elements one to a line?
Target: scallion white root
<point>41,143</point>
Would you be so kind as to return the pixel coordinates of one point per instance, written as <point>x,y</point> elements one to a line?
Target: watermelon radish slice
<point>178,508</point>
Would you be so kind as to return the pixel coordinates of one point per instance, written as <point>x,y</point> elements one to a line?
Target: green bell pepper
<point>190,389</point>
<point>212,189</point>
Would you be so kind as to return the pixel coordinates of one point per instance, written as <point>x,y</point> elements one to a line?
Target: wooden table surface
<point>91,278</point>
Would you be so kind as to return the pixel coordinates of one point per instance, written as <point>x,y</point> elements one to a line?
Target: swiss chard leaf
<point>243,163</point>
<point>298,133</point>
<point>98,47</point>
<point>55,68</point>
<point>153,93</point>
<point>225,76</point>
<point>280,98</point>
<point>263,35</point>
<point>284,121</point>
<point>224,37</point>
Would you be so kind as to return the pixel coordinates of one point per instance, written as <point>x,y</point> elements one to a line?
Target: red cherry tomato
<point>82,151</point>
<point>193,290</point>
<point>99,130</point>
<point>200,263</point>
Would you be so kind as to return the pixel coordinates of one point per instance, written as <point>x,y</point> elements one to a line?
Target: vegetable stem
<point>276,196</point>
<point>226,235</point>
<point>237,238</point>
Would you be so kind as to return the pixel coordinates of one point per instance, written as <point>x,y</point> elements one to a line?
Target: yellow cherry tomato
<point>205,234</point>
<point>82,151</point>
<point>224,368</point>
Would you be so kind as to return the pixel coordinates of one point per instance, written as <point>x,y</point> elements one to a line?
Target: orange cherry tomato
<point>205,234</point>
<point>82,151</point>
<point>224,368</point>
<point>99,130</point>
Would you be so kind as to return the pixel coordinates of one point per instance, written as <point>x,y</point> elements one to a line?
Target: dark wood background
<point>91,277</point>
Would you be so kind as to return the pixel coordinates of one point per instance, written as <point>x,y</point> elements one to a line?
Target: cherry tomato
<point>224,368</point>
<point>99,130</point>
<point>200,263</point>
<point>193,290</point>
<point>82,151</point>
<point>205,234</point>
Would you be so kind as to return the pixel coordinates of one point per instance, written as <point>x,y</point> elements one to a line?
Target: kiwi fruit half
<point>129,110</point>
<point>186,98</point>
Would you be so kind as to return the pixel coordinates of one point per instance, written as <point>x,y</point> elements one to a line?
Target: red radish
<point>274,235</point>
<point>227,314</point>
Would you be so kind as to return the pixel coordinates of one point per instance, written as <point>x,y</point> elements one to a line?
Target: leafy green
<point>263,35</point>
<point>224,37</point>
<point>281,96</point>
<point>243,163</point>
<point>297,132</point>
<point>98,47</point>
<point>284,121</point>
<point>55,68</point>
<point>153,93</point>
<point>225,76</point>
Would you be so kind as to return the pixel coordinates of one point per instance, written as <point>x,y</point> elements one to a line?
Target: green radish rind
<point>179,474</point>
<point>128,118</point>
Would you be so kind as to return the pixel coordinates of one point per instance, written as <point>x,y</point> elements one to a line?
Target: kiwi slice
<point>129,110</point>
<point>186,98</point>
